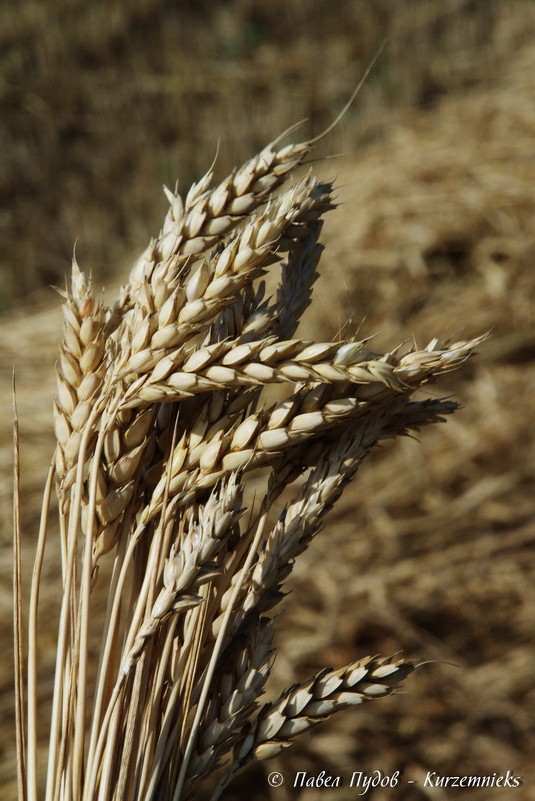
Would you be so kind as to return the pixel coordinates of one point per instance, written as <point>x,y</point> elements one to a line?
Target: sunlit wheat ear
<point>160,418</point>
<point>305,705</point>
<point>80,370</point>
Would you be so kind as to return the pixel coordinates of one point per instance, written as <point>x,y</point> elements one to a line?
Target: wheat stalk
<point>159,420</point>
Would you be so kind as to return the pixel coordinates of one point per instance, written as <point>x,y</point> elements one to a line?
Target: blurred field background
<point>431,550</point>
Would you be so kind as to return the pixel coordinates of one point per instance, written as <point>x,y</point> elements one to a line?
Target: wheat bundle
<point>160,420</point>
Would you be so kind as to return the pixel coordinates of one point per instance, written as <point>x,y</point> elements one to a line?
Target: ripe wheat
<point>159,420</point>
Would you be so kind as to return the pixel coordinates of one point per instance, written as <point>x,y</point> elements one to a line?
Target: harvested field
<point>431,550</point>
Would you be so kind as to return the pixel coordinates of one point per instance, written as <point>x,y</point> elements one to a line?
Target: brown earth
<point>430,551</point>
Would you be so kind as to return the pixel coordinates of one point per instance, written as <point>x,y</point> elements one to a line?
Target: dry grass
<point>444,536</point>
<point>130,95</point>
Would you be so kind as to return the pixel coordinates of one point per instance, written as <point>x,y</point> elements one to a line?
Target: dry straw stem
<point>160,419</point>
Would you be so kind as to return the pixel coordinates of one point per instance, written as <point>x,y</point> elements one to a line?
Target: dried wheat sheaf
<point>160,419</point>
